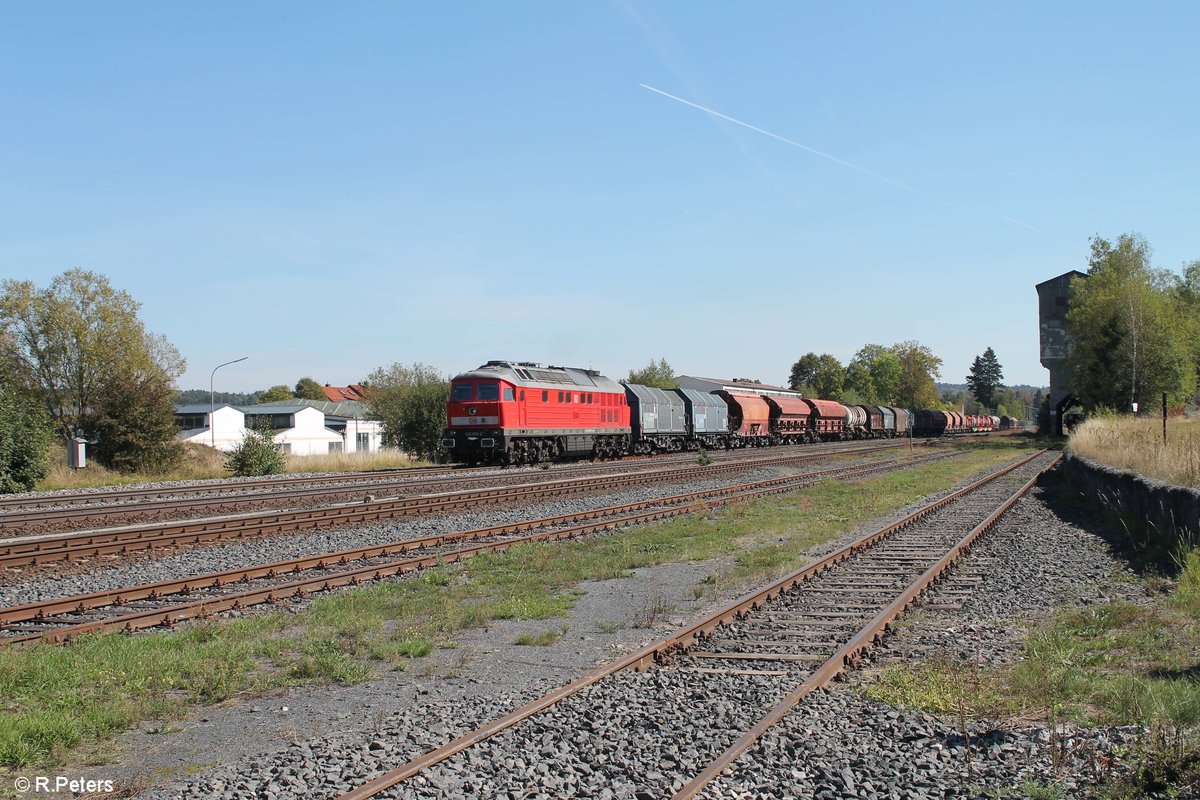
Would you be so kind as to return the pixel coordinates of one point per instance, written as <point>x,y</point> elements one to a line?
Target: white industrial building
<point>299,427</point>
<point>709,385</point>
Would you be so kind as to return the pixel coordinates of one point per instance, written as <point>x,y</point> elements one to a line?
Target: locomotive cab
<point>478,410</point>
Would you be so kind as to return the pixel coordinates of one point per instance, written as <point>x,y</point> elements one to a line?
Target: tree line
<point>1134,329</point>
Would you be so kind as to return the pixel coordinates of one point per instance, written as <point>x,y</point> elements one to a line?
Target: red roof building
<point>340,394</point>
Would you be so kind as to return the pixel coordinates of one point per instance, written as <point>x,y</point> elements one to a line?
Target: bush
<point>256,455</point>
<point>24,438</point>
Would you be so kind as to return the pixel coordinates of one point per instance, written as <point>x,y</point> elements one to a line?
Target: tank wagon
<point>519,412</point>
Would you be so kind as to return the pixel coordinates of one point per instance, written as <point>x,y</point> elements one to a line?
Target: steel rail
<point>12,507</point>
<point>850,653</point>
<point>218,485</point>
<point>660,652</point>
<point>84,544</point>
<point>661,508</point>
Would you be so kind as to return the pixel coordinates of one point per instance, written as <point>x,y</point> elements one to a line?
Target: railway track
<point>154,504</point>
<point>169,602</point>
<point>69,547</point>
<point>683,710</point>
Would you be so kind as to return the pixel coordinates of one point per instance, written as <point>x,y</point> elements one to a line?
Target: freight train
<point>516,412</point>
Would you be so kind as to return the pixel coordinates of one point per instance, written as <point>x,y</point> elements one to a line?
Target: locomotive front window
<point>462,392</point>
<point>488,391</point>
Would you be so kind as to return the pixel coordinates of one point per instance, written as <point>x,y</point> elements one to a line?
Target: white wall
<point>229,430</point>
<point>308,435</point>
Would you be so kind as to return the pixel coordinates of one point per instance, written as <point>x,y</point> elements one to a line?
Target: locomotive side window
<point>462,392</point>
<point>488,391</point>
<point>560,397</point>
<point>508,393</point>
<point>545,396</point>
<point>568,397</point>
<point>522,394</point>
<point>589,398</point>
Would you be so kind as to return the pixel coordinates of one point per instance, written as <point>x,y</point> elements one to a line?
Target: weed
<point>542,639</point>
<point>611,626</point>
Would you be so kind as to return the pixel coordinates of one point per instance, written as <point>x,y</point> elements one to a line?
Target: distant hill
<point>951,388</point>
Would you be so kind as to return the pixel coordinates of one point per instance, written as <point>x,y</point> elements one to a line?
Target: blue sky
<point>328,188</point>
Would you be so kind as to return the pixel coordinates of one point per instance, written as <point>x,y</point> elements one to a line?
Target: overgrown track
<point>173,601</point>
<point>30,551</point>
<point>293,493</point>
<point>676,714</point>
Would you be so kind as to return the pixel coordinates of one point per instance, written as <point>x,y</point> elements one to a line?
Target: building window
<point>363,442</point>
<point>285,448</point>
<point>335,447</point>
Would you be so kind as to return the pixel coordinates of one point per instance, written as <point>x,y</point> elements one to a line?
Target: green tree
<point>410,401</point>
<point>308,389</point>
<point>256,454</point>
<point>859,387</point>
<point>984,378</point>
<point>658,374</point>
<point>916,386</point>
<point>276,394</point>
<point>77,335</point>
<point>1130,332</point>
<point>820,376</point>
<point>133,424</point>
<point>25,431</point>
<point>883,366</point>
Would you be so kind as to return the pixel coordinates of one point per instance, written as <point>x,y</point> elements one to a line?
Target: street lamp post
<point>212,406</point>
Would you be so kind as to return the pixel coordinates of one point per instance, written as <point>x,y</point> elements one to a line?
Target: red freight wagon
<point>828,419</point>
<point>749,419</point>
<point>789,419</point>
<point>520,412</point>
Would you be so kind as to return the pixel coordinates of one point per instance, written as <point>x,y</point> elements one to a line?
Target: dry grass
<point>200,462</point>
<point>1136,445</point>
<point>353,462</point>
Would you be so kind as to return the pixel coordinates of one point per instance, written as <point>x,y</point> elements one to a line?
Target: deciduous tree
<point>820,376</point>
<point>658,374</point>
<point>276,394</point>
<point>410,401</point>
<point>916,386</point>
<point>309,389</point>
<point>1131,335</point>
<point>984,378</point>
<point>884,368</point>
<point>76,336</point>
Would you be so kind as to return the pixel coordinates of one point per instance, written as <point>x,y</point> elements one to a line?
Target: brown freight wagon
<point>789,419</point>
<point>828,419</point>
<point>749,419</point>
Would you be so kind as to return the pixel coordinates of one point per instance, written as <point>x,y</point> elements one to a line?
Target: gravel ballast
<point>834,745</point>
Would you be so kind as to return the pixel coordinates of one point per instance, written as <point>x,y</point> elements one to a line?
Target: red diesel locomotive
<point>520,412</point>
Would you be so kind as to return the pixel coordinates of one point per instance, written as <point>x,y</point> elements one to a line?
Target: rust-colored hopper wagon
<point>827,420</point>
<point>789,420</point>
<point>749,419</point>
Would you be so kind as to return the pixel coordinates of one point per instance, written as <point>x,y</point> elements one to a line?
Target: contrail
<point>1036,230</point>
<point>793,143</point>
<point>835,159</point>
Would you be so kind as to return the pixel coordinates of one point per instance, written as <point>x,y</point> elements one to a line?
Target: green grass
<point>54,699</point>
<point>1119,663</point>
<point>540,639</point>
